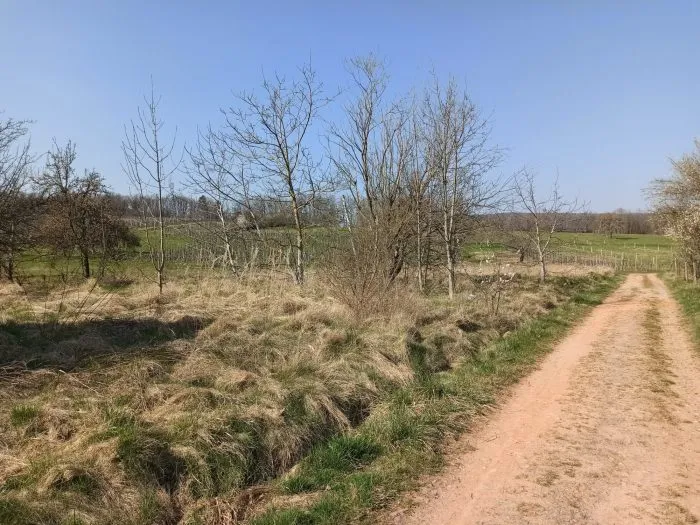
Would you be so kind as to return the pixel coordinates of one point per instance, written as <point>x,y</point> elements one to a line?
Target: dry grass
<point>661,378</point>
<point>120,406</point>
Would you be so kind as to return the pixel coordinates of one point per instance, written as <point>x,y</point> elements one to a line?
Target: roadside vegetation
<point>345,480</point>
<point>686,293</point>
<point>121,405</point>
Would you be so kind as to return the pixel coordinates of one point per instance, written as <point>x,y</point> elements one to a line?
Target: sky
<point>604,93</point>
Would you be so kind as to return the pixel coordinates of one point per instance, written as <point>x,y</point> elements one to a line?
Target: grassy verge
<point>688,295</point>
<point>231,398</point>
<point>349,477</point>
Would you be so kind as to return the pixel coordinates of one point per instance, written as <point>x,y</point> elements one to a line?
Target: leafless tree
<point>355,143</point>
<point>372,153</point>
<point>459,157</point>
<point>14,158</point>
<point>610,223</point>
<point>150,159</point>
<point>420,186</point>
<point>15,210</point>
<point>546,215</point>
<point>78,214</point>
<point>215,170</point>
<point>272,132</point>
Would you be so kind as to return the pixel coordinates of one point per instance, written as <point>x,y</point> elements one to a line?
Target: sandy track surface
<point>607,431</point>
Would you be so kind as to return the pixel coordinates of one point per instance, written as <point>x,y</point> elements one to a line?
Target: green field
<point>623,243</point>
<point>624,252</point>
<point>186,245</point>
<point>191,243</point>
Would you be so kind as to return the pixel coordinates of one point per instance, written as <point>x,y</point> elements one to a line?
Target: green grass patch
<point>618,242</point>
<point>649,251</point>
<point>22,415</point>
<point>688,295</point>
<point>143,451</point>
<point>16,512</point>
<point>340,455</point>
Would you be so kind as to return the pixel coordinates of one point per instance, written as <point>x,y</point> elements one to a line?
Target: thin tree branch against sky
<point>605,93</point>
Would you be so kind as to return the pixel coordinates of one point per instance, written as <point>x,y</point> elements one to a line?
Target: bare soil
<point>606,431</point>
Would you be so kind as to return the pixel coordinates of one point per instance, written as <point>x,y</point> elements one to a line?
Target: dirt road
<point>607,431</point>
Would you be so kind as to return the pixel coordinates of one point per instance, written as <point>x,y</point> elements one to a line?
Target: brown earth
<point>607,430</point>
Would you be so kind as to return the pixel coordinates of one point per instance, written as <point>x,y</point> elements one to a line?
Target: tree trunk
<point>10,267</point>
<point>299,270</point>
<point>161,227</point>
<point>448,226</point>
<point>299,247</point>
<point>228,252</point>
<point>450,271</point>
<point>543,269</point>
<point>428,240</point>
<point>397,260</point>
<point>86,264</point>
<point>419,249</point>
<point>349,225</point>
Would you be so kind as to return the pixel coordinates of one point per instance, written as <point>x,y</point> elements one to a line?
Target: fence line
<point>622,262</point>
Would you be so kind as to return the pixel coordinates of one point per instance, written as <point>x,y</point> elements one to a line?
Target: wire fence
<point>266,256</point>
<point>256,256</point>
<point>619,261</point>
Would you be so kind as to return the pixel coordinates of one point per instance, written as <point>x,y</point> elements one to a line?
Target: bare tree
<point>610,223</point>
<point>215,170</point>
<point>373,154</point>
<point>14,158</point>
<point>458,160</point>
<point>78,214</point>
<point>272,132</point>
<point>420,187</point>
<point>149,162</point>
<point>355,143</point>
<point>15,210</point>
<point>546,215</point>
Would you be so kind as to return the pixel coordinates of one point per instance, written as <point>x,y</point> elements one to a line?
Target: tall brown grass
<point>161,420</point>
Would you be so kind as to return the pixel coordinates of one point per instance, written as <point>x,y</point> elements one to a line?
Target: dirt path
<point>607,431</point>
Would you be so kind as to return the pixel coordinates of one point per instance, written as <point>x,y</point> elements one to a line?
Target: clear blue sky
<point>603,93</point>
